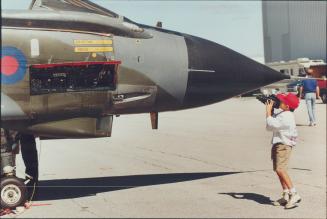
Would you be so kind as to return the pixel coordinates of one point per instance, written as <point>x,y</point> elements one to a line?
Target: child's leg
<point>281,155</point>
<point>285,179</point>
<point>282,182</point>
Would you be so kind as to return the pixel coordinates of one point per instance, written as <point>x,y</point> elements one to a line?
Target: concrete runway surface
<point>206,162</point>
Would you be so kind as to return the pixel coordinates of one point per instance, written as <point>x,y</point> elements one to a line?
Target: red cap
<point>290,100</point>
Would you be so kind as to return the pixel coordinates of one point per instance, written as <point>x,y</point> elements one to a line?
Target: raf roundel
<point>13,65</point>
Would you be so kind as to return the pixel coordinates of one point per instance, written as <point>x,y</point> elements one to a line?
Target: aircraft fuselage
<point>59,66</point>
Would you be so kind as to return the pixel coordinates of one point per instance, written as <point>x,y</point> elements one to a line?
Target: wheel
<point>13,192</point>
<point>324,98</point>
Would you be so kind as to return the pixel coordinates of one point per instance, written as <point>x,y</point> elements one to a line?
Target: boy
<point>282,124</point>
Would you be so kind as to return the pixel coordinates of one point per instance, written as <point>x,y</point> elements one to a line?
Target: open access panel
<point>73,77</point>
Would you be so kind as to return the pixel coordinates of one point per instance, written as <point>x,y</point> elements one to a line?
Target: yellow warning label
<point>94,49</point>
<point>93,42</point>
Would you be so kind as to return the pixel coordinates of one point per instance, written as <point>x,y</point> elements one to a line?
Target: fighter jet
<point>69,66</point>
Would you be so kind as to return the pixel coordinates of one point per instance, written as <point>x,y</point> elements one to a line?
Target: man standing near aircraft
<point>311,92</point>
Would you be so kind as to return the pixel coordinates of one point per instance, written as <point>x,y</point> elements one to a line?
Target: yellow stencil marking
<point>93,42</point>
<point>94,49</point>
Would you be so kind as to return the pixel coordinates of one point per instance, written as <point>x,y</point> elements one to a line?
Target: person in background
<point>282,123</point>
<point>311,92</point>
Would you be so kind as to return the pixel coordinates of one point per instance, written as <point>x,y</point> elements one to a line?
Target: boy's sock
<point>293,190</point>
<point>286,191</point>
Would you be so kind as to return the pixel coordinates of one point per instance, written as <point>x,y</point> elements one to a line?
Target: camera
<point>263,99</point>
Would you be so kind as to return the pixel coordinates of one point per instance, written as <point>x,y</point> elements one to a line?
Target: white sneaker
<point>283,200</point>
<point>294,199</point>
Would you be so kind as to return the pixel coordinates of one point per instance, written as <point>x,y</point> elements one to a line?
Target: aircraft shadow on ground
<point>75,188</point>
<point>261,199</point>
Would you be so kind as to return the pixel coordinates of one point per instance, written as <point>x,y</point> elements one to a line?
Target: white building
<point>294,29</point>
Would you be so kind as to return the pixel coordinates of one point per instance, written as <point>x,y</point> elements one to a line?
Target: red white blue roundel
<point>13,65</point>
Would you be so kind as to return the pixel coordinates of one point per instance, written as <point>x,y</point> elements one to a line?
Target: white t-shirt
<point>283,125</point>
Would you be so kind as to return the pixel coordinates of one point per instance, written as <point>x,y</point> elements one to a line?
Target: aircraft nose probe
<point>217,73</point>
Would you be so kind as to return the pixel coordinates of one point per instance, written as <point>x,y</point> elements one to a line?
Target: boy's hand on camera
<point>269,107</point>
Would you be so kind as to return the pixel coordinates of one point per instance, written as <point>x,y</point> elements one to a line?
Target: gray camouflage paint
<point>160,70</point>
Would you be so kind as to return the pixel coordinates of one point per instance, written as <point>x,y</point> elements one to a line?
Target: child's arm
<point>277,124</point>
<point>274,124</point>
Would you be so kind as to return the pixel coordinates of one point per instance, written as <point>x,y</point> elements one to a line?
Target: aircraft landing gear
<point>13,190</point>
<point>30,158</point>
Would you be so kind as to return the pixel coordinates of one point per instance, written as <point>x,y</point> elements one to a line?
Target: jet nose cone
<point>217,73</point>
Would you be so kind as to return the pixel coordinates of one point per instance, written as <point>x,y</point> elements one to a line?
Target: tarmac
<point>210,162</point>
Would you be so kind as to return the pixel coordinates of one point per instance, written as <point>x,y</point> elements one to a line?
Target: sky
<point>235,24</point>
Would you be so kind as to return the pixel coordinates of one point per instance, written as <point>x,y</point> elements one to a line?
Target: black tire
<point>13,192</point>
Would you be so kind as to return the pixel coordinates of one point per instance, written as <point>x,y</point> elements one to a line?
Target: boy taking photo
<point>282,124</point>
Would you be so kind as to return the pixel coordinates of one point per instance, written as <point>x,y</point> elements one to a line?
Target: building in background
<point>294,29</point>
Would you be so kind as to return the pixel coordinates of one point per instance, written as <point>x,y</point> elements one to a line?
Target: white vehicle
<point>295,68</point>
